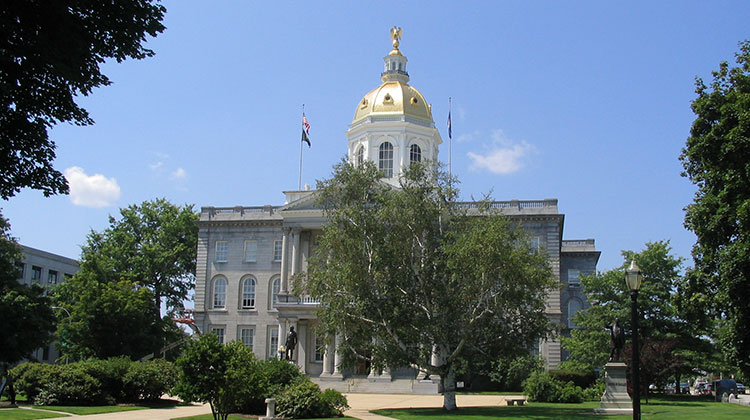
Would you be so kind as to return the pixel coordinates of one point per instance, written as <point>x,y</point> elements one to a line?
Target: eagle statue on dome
<point>395,36</point>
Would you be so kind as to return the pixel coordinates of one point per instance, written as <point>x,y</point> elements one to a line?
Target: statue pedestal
<point>615,399</point>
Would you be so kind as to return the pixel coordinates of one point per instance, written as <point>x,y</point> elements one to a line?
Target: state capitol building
<point>248,254</point>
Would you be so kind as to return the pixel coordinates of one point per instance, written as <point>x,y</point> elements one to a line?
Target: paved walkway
<point>360,405</point>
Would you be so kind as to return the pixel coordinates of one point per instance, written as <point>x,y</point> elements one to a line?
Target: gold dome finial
<point>395,36</point>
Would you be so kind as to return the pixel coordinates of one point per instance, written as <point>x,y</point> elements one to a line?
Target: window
<point>219,333</point>
<point>251,251</point>
<point>52,277</point>
<point>275,286</point>
<point>248,293</point>
<point>320,349</point>
<point>415,153</point>
<point>220,293</point>
<point>36,274</point>
<point>273,342</point>
<point>573,275</point>
<point>574,305</point>
<point>21,269</point>
<point>360,156</point>
<point>277,250</point>
<point>45,353</point>
<point>246,336</point>
<point>385,159</point>
<point>221,251</point>
<point>534,245</point>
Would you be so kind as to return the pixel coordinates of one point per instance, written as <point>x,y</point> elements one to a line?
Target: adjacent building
<point>47,270</point>
<point>247,254</point>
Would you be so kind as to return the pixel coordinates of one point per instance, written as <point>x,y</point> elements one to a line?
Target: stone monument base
<point>615,399</point>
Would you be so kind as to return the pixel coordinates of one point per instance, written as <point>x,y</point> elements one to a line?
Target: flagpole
<point>299,184</point>
<point>450,138</point>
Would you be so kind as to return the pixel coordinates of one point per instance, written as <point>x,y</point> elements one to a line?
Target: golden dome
<point>394,98</point>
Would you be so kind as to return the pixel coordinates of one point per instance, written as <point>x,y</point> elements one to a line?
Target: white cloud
<point>179,173</point>
<point>155,166</point>
<point>91,191</point>
<point>503,157</point>
<point>466,137</point>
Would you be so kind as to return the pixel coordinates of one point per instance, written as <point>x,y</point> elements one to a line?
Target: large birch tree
<point>402,273</point>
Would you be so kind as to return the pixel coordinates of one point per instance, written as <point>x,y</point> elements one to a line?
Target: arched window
<point>415,153</point>
<point>360,155</point>
<point>385,159</point>
<point>574,305</point>
<point>248,293</point>
<point>275,287</point>
<point>220,293</point>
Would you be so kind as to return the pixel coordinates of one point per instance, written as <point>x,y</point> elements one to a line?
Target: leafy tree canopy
<point>667,337</point>
<point>26,314</point>
<point>401,272</point>
<point>51,52</point>
<point>716,158</point>
<point>151,245</point>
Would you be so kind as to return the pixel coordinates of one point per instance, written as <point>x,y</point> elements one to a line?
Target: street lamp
<point>633,279</point>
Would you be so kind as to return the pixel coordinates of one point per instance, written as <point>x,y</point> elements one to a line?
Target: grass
<point>19,414</point>
<point>85,410</point>
<point>658,409</point>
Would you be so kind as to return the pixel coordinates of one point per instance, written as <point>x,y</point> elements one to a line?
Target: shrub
<point>583,379</point>
<point>509,373</point>
<point>110,374</point>
<point>149,380</point>
<point>543,387</point>
<point>594,392</point>
<point>280,373</point>
<point>30,377</point>
<point>303,399</point>
<point>335,401</point>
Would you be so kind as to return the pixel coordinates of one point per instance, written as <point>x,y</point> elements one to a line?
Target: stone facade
<point>246,255</point>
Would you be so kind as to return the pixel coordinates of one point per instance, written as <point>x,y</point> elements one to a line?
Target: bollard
<point>270,409</point>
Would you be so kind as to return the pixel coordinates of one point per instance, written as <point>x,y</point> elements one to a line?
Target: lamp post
<point>634,278</point>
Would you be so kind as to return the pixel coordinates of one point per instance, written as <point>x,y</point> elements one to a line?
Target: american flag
<point>306,130</point>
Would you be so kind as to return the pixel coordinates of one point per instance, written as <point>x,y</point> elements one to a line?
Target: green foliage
<point>146,256</point>
<point>228,377</point>
<point>303,399</point>
<point>26,315</point>
<point>660,318</point>
<point>582,379</point>
<point>543,387</point>
<point>280,374</point>
<point>50,53</point>
<point>509,373</point>
<point>400,270</point>
<point>94,381</point>
<point>716,158</point>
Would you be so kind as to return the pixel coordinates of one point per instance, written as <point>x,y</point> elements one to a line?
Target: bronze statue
<point>291,343</point>
<point>616,341</point>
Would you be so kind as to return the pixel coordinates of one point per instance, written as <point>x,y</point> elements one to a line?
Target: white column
<point>374,373</point>
<point>300,353</point>
<point>386,373</point>
<point>284,263</point>
<point>282,334</point>
<point>327,370</point>
<point>295,250</point>
<point>337,358</point>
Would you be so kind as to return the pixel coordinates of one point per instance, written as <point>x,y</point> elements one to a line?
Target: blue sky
<point>584,101</point>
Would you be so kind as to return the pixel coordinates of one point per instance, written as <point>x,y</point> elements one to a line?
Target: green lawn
<point>210,417</point>
<point>657,409</point>
<point>19,414</point>
<point>84,410</point>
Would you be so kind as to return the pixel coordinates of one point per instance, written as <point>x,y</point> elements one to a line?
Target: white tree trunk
<point>449,390</point>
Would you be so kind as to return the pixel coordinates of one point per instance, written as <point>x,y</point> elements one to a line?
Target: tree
<point>107,319</point>
<point>227,377</point>
<point>717,159</point>
<point>665,332</point>
<point>401,272</point>
<point>26,313</point>
<point>152,245</point>
<point>50,52</point>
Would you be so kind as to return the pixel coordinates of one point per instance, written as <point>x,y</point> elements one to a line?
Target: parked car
<point>684,388</point>
<point>740,388</point>
<point>700,389</point>
<point>723,388</point>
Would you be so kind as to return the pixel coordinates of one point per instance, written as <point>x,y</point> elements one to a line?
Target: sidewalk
<point>360,405</point>
<point>167,413</point>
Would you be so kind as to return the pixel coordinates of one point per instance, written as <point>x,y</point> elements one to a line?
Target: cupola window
<point>385,159</point>
<point>360,156</point>
<point>415,153</point>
